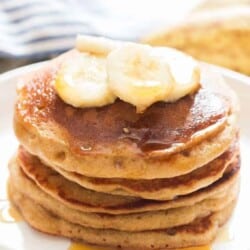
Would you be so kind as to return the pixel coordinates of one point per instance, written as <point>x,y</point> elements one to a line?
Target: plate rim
<point>19,70</point>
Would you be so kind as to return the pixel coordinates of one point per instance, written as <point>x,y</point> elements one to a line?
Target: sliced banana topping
<point>184,69</point>
<point>141,75</point>
<point>96,45</point>
<point>82,82</point>
<point>138,76</point>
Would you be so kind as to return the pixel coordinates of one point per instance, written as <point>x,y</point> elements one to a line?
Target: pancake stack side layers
<point>167,177</point>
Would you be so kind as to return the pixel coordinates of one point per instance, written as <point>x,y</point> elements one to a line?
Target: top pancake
<point>116,130</point>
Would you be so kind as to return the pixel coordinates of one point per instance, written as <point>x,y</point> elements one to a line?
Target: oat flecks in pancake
<point>151,220</point>
<point>201,231</point>
<point>158,189</point>
<point>86,200</point>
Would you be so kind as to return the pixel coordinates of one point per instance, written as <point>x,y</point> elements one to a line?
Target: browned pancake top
<point>160,126</point>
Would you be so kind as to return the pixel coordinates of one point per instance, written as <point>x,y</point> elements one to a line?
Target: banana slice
<point>184,69</point>
<point>96,45</point>
<point>82,82</point>
<point>139,76</point>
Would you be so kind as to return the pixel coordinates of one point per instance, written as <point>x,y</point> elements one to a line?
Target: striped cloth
<point>39,28</point>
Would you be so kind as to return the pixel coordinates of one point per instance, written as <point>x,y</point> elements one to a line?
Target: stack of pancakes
<point>165,178</point>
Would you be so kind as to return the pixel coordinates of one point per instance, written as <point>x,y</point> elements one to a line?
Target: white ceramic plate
<point>20,236</point>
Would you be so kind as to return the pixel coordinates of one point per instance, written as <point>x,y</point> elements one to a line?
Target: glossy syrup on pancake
<point>91,130</point>
<point>158,127</point>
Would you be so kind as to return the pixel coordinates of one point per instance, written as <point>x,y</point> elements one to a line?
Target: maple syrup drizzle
<point>224,235</point>
<point>8,213</point>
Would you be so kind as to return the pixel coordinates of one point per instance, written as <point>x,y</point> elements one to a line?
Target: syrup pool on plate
<point>82,246</point>
<point>8,213</point>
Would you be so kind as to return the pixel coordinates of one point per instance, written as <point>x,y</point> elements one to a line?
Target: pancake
<point>127,222</point>
<point>199,232</point>
<point>92,141</point>
<point>79,198</point>
<point>157,189</point>
<point>219,37</point>
<point>165,178</point>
